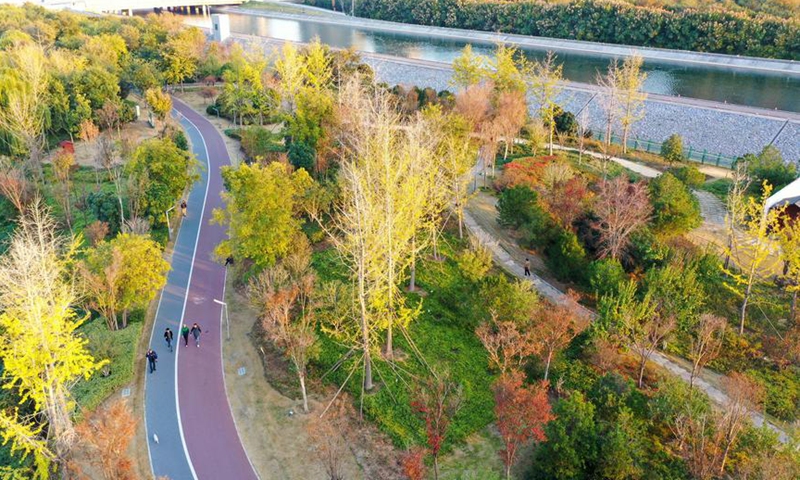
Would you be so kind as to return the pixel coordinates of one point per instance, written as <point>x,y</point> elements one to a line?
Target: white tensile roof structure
<point>785,196</point>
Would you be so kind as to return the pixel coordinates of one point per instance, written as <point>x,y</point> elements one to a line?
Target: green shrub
<point>646,250</point>
<point>565,122</point>
<point>783,392</point>
<point>258,142</point>
<point>605,276</point>
<point>104,205</point>
<point>672,149</point>
<point>719,187</point>
<point>512,300</point>
<point>302,155</point>
<point>234,133</point>
<point>676,210</point>
<point>769,166</point>
<point>117,346</point>
<point>475,262</point>
<point>180,140</point>
<point>689,175</point>
<point>566,257</point>
<point>517,206</point>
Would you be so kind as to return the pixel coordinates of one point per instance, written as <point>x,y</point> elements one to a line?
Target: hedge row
<point>708,30</point>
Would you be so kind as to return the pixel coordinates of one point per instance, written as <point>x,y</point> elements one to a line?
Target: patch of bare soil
<point>138,131</point>
<point>276,441</point>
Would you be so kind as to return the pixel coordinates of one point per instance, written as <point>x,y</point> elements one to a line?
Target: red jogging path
<point>207,433</point>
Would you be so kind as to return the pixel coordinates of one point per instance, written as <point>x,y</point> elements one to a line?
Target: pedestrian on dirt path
<point>185,335</point>
<point>527,267</point>
<point>183,207</point>
<point>151,356</point>
<point>196,331</point>
<point>168,338</point>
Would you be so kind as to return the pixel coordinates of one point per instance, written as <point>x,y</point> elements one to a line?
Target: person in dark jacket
<point>185,335</point>
<point>183,207</point>
<point>196,331</point>
<point>168,338</point>
<point>151,359</point>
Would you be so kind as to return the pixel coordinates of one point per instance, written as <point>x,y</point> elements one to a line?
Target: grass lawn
<point>450,311</point>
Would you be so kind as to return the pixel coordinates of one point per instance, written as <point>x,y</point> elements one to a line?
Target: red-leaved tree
<point>522,412</point>
<point>507,345</point>
<point>437,401</point>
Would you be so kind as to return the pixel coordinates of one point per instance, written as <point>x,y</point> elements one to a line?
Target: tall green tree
<point>572,440</point>
<point>261,212</point>
<point>469,69</point>
<point>675,208</point>
<point>164,171</point>
<point>123,274</point>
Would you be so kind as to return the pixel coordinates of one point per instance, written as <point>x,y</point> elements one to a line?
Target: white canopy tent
<point>785,196</point>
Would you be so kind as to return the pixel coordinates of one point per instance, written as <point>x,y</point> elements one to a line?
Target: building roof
<point>785,196</point>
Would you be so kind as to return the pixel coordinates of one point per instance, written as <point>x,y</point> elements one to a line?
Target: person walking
<point>183,207</point>
<point>185,335</point>
<point>168,338</point>
<point>527,266</point>
<point>196,331</point>
<point>151,356</point>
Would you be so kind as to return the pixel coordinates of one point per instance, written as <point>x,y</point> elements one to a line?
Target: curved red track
<point>213,444</point>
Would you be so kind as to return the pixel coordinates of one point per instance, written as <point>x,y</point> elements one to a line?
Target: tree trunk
<point>508,471</point>
<point>551,138</point>
<point>728,253</point>
<point>625,130</point>
<point>124,318</point>
<point>547,366</point>
<point>693,374</point>
<point>642,366</point>
<point>303,389</point>
<point>793,307</point>
<point>725,457</point>
<point>412,281</point>
<point>364,332</point>
<point>435,467</point>
<point>743,309</point>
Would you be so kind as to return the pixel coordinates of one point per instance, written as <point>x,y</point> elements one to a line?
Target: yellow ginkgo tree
<point>42,355</point>
<point>750,254</point>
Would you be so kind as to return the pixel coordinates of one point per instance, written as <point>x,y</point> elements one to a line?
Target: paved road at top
<point>186,402</point>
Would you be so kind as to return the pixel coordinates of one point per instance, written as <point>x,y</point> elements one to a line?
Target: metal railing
<point>695,155</point>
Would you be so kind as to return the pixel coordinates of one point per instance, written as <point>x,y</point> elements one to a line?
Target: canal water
<point>757,89</point>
